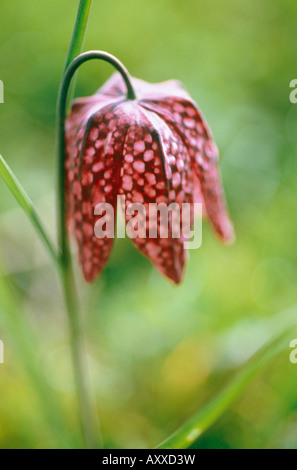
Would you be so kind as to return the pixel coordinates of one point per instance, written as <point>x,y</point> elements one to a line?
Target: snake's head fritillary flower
<point>155,149</point>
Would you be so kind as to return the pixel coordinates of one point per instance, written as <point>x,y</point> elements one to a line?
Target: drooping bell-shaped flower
<point>154,149</point>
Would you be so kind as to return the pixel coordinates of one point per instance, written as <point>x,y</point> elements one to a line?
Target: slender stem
<point>88,411</point>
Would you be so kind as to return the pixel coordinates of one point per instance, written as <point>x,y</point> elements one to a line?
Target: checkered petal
<point>183,115</point>
<point>156,169</point>
<point>92,171</point>
<point>156,150</point>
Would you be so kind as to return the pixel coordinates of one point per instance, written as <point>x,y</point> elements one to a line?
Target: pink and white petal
<point>96,181</point>
<point>76,122</point>
<point>115,87</point>
<point>156,91</point>
<point>187,120</point>
<point>152,174</point>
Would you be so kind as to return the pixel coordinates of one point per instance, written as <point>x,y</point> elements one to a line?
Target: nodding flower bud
<point>152,149</point>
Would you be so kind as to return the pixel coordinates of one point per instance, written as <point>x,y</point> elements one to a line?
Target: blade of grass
<point>77,39</point>
<point>184,437</point>
<point>79,31</point>
<point>25,203</point>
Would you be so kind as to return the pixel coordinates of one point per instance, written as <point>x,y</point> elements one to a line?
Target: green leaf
<point>184,437</point>
<point>25,203</point>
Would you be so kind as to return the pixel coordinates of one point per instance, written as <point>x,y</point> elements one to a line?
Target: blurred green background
<point>157,352</point>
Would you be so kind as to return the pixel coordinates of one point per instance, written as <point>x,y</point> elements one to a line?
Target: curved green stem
<point>62,106</point>
<point>88,411</point>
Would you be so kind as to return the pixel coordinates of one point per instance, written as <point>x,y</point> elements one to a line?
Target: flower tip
<point>89,278</point>
<point>176,276</point>
<point>228,234</point>
<point>90,275</point>
<point>176,279</point>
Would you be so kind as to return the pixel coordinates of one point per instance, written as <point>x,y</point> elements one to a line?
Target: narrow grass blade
<point>25,203</point>
<point>77,39</point>
<point>184,437</point>
<point>79,31</point>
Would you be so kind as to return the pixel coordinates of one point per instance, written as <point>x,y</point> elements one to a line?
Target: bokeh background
<point>157,352</point>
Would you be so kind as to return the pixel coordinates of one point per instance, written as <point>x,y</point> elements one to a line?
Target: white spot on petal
<point>139,146</point>
<point>139,166</point>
